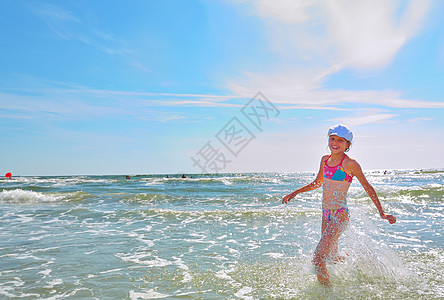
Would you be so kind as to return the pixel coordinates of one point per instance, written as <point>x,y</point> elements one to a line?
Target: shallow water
<point>215,236</point>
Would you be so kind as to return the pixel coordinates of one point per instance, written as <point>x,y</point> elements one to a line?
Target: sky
<point>173,86</point>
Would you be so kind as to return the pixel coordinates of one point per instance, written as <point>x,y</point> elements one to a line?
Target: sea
<point>215,236</point>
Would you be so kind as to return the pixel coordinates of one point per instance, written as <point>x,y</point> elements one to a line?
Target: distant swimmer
<point>183,176</point>
<point>167,176</point>
<point>127,177</point>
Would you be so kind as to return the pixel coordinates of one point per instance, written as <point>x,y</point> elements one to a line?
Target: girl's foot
<point>324,280</point>
<point>322,273</point>
<point>337,258</point>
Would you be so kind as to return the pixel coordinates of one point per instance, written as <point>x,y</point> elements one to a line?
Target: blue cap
<point>341,131</point>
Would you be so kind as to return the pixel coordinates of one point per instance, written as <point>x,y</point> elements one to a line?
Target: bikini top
<point>337,172</point>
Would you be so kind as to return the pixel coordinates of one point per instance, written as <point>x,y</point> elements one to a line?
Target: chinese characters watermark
<point>235,135</point>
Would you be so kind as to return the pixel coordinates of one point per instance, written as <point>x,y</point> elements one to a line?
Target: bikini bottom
<point>333,212</point>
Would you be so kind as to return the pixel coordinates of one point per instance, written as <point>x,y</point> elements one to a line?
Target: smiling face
<point>338,144</point>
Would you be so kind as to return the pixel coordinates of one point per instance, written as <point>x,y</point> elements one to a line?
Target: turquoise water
<point>215,236</point>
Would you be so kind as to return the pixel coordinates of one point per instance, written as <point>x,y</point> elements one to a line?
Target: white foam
<point>111,271</point>
<point>141,238</point>
<point>59,181</point>
<point>274,255</point>
<point>222,274</point>
<point>367,253</point>
<point>226,181</point>
<point>22,196</point>
<point>150,294</point>
<point>242,293</point>
<point>142,259</point>
<point>186,277</point>
<point>45,272</point>
<point>23,256</point>
<point>52,283</point>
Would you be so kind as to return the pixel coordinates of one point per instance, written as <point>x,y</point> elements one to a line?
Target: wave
<point>227,214</point>
<point>431,193</point>
<point>416,193</point>
<point>209,181</point>
<point>226,179</point>
<point>58,180</point>
<point>145,198</point>
<point>32,197</point>
<point>429,172</point>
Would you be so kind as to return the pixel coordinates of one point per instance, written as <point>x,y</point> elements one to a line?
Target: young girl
<point>336,173</point>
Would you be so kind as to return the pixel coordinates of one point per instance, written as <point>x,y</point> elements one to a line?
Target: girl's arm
<point>357,171</point>
<point>309,187</point>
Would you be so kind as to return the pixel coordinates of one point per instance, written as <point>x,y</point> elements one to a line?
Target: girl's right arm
<point>311,186</point>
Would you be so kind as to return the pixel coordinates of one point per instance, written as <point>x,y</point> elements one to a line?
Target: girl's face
<point>337,144</point>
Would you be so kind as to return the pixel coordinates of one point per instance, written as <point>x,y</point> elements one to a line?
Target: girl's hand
<point>390,218</point>
<point>288,198</point>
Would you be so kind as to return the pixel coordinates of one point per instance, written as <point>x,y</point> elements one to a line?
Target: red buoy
<point>8,175</point>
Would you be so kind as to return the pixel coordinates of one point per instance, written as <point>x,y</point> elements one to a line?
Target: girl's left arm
<point>357,171</point>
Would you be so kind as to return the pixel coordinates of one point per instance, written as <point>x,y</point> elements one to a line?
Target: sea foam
<point>23,196</point>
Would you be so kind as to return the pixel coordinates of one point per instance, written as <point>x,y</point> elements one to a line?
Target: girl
<point>336,173</point>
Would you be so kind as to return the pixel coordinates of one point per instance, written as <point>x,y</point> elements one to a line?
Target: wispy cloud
<point>287,11</point>
<point>62,22</point>
<point>364,119</point>
<point>330,36</point>
<point>53,14</point>
<point>140,66</point>
<point>67,25</point>
<point>167,99</point>
<point>420,119</point>
<point>61,101</point>
<point>347,33</point>
<point>367,34</point>
<point>292,90</point>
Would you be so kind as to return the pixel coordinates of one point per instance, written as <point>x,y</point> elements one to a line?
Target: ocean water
<point>215,237</point>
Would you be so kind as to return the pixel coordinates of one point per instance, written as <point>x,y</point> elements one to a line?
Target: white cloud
<point>364,119</point>
<point>287,11</point>
<point>58,101</point>
<point>80,27</point>
<point>328,36</point>
<point>343,33</point>
<point>293,90</point>
<point>53,13</point>
<point>420,119</point>
<point>61,22</point>
<point>366,34</point>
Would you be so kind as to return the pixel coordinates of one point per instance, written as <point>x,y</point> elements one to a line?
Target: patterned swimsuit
<point>336,173</point>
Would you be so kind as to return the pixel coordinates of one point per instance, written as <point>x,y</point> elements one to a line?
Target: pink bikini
<point>336,173</point>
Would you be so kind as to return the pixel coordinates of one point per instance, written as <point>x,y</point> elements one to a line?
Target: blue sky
<point>140,87</point>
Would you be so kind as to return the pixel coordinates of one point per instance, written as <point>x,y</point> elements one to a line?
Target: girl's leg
<point>318,262</point>
<point>328,244</point>
<point>334,255</point>
<point>324,224</point>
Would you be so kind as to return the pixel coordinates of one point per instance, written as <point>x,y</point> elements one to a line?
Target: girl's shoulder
<point>350,164</point>
<point>348,160</point>
<point>324,158</point>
